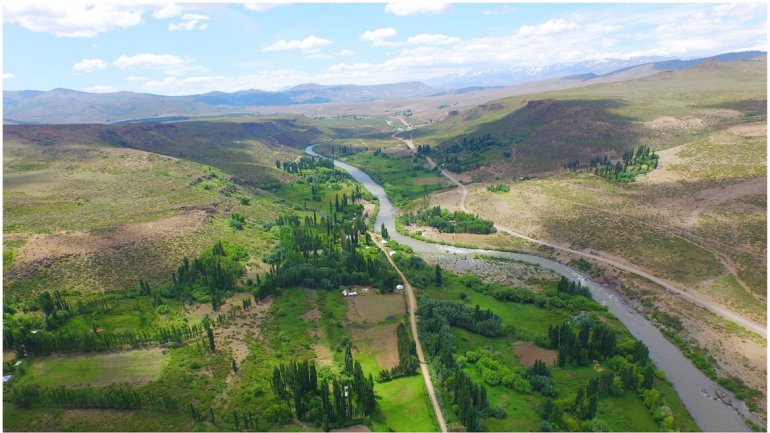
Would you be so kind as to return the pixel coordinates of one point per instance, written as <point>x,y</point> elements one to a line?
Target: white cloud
<point>72,19</point>
<point>432,39</point>
<point>424,7</point>
<point>7,76</point>
<point>100,89</point>
<point>89,65</point>
<point>267,80</point>
<point>503,11</point>
<point>136,78</point>
<point>170,64</point>
<point>262,7</point>
<point>547,28</point>
<point>379,36</point>
<point>309,45</point>
<point>190,22</point>
<point>171,10</point>
<point>345,53</point>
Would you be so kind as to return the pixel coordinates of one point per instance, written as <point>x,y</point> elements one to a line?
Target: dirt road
<point>412,304</point>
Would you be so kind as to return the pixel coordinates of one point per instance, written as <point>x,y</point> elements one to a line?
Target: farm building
<point>346,292</point>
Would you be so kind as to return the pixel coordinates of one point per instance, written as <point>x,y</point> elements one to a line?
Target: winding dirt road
<point>692,297</point>
<point>412,304</point>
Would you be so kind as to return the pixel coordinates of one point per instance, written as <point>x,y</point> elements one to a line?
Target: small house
<point>400,287</point>
<point>346,292</point>
<point>7,378</point>
<point>383,242</point>
<point>391,253</point>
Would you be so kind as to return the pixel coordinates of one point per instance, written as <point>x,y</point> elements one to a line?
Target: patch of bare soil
<point>528,353</point>
<point>374,308</point>
<point>240,324</point>
<point>510,273</point>
<point>353,428</point>
<point>311,315</point>
<point>324,355</point>
<point>380,341</point>
<point>41,249</point>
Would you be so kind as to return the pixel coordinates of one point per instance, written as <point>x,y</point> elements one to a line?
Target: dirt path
<point>412,306</point>
<point>694,298</point>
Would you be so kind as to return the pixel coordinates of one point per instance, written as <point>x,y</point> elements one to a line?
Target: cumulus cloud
<point>432,39</point>
<point>425,7</point>
<point>100,89</point>
<point>503,11</point>
<point>136,78</point>
<point>171,10</point>
<point>89,65</point>
<point>71,19</point>
<point>262,7</point>
<point>7,76</point>
<point>310,45</point>
<point>345,53</point>
<point>379,36</point>
<point>170,64</point>
<point>190,22</point>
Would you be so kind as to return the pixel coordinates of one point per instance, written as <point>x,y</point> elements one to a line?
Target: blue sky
<point>184,48</point>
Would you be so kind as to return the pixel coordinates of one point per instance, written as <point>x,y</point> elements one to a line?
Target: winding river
<point>695,389</point>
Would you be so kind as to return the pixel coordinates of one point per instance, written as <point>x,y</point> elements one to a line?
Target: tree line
<point>307,163</point>
<point>44,343</point>
<point>407,356</point>
<point>469,400</point>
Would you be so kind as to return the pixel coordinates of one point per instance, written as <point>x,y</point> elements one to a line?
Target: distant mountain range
<point>71,106</point>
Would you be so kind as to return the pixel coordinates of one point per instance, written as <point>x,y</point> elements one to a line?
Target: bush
<point>497,411</point>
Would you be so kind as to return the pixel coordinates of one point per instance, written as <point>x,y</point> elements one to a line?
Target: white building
<point>346,292</point>
<point>400,287</point>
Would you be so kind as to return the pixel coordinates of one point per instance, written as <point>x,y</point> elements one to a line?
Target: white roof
<point>18,363</point>
<point>384,241</point>
<point>392,252</point>
<point>7,378</point>
<point>400,287</point>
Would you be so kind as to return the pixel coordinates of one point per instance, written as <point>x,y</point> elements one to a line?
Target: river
<point>690,383</point>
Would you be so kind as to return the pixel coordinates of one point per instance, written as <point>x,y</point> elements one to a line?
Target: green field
<point>403,176</point>
<point>135,367</point>
<point>404,406</point>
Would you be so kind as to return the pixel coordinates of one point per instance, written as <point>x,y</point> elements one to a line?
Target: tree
<point>210,334</point>
<point>348,361</point>
<point>438,275</point>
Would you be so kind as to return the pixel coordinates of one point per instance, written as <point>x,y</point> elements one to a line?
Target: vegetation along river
<point>695,389</point>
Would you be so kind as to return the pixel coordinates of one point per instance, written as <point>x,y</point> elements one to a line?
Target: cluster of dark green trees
<point>326,252</point>
<point>328,402</point>
<point>407,357</point>
<point>572,288</point>
<point>423,150</point>
<point>449,222</point>
<point>498,187</point>
<point>439,344</point>
<point>483,322</point>
<point>593,340</point>
<point>463,155</point>
<point>305,163</point>
<point>208,278</point>
<point>44,343</point>
<point>635,161</point>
